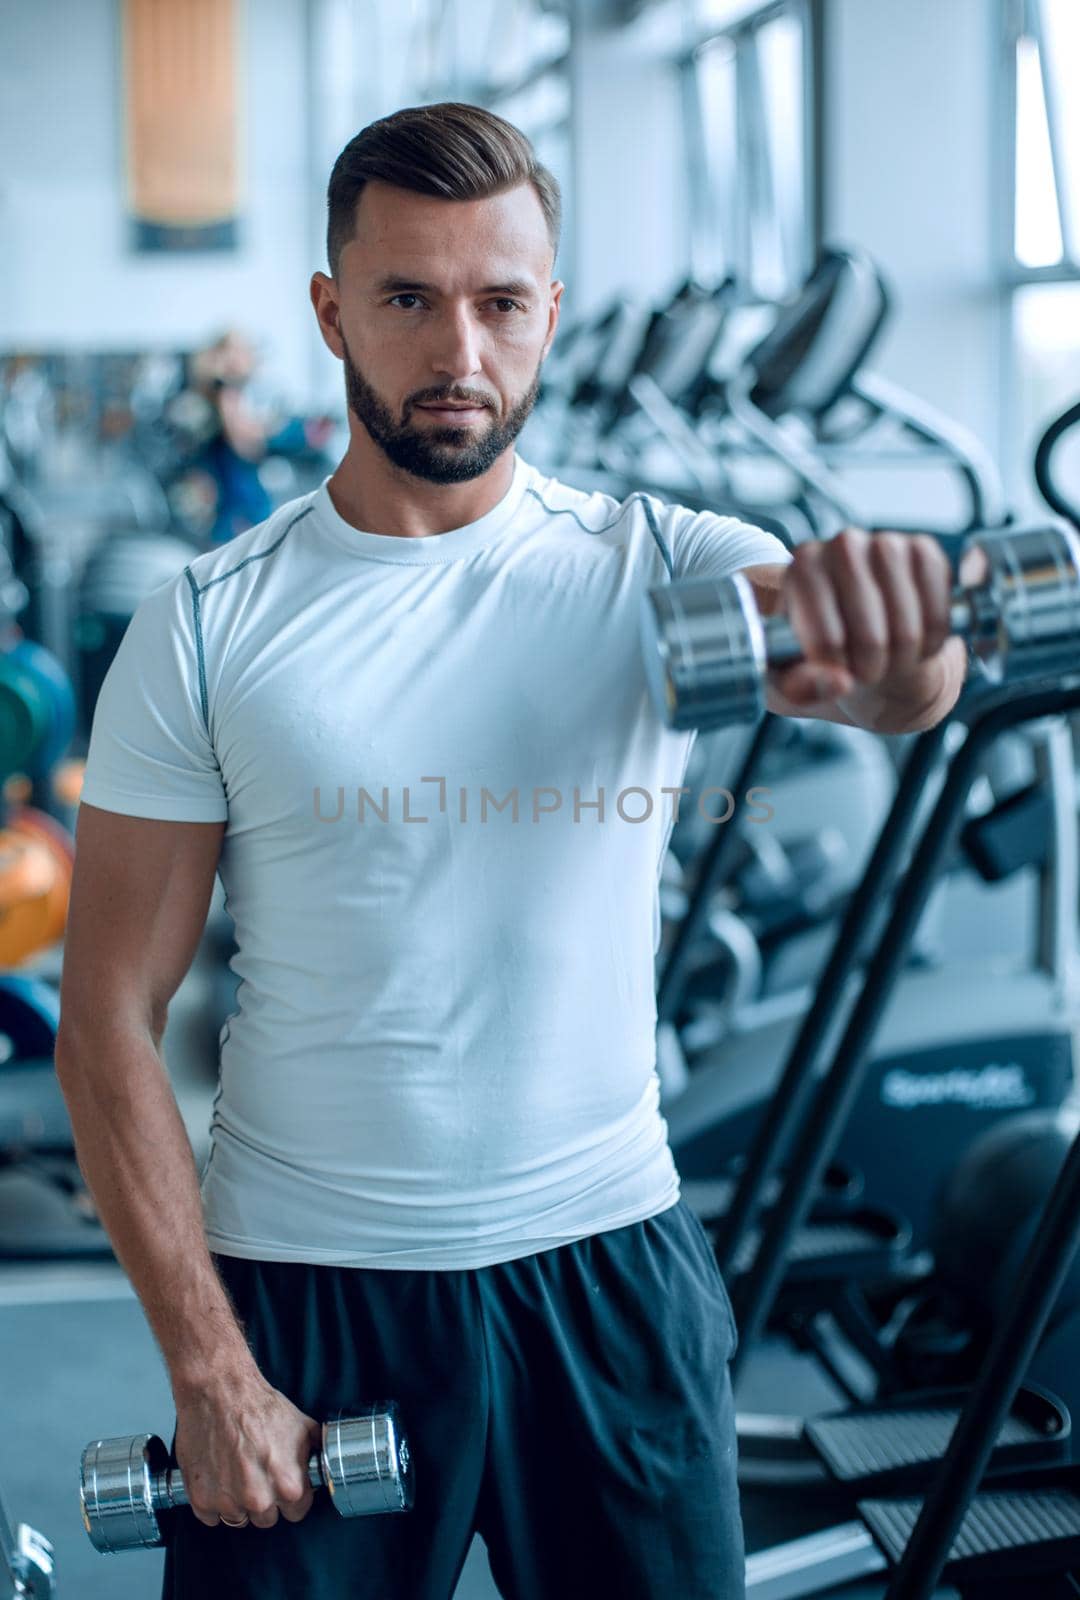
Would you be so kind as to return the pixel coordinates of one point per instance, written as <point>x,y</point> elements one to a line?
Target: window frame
<point>739,34</point>
<point>1019,18</point>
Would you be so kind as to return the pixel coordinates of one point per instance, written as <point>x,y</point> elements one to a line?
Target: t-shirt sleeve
<point>150,751</point>
<point>704,545</point>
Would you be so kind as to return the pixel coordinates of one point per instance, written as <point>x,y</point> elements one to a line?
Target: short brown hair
<point>459,151</point>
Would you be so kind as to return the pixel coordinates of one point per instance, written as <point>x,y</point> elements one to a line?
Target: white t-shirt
<point>443,1053</point>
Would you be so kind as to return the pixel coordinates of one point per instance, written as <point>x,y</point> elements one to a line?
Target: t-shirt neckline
<point>432,549</point>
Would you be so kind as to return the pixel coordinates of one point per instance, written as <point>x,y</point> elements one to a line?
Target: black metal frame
<point>789,1104</point>
<point>1057,1239</point>
<point>822,1127</point>
<point>1044,477</point>
<point>717,864</point>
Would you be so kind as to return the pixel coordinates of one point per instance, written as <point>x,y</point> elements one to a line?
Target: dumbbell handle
<point>782,647</point>
<point>167,1489</point>
<point>364,1465</point>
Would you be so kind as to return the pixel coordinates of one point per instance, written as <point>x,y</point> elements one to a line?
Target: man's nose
<point>457,348</point>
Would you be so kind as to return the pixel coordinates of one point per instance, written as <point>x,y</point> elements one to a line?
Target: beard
<point>439,455</point>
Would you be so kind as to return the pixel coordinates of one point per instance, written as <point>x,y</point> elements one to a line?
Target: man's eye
<point>503,304</point>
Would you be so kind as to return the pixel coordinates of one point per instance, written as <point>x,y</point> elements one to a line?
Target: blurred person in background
<point>233,433</point>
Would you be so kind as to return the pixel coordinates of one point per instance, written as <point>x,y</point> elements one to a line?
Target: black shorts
<point>573,1407</point>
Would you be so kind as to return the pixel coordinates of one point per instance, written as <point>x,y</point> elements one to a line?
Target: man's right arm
<point>139,901</point>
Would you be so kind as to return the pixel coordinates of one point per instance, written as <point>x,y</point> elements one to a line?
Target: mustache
<point>449,397</point>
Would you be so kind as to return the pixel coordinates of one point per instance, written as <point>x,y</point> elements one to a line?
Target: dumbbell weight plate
<point>38,825</point>
<point>32,897</point>
<point>115,1492</point>
<point>32,820</point>
<point>28,875</point>
<point>705,652</point>
<point>1025,619</point>
<point>366,1463</point>
<point>24,716</point>
<point>59,699</point>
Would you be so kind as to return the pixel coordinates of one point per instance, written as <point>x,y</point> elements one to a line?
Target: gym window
<point>1043,40</point>
<point>1040,235</point>
<point>748,98</point>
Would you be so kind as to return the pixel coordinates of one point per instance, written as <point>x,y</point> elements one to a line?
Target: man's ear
<point>324,298</point>
<point>553,316</point>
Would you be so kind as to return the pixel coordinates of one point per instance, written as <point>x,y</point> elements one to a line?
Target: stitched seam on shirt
<point>198,590</point>
<point>650,517</point>
<point>260,555</point>
<point>199,652</point>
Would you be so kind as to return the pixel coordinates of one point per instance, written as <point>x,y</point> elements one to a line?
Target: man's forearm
<point>137,1160</point>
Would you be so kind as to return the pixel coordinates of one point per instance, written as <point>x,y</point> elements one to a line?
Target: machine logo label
<point>995,1087</point>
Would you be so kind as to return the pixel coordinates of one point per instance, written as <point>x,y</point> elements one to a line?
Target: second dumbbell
<point>126,1483</point>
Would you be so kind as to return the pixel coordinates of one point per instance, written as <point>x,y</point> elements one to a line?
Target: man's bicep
<point>139,900</point>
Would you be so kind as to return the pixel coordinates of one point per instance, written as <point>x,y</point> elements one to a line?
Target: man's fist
<point>867,608</point>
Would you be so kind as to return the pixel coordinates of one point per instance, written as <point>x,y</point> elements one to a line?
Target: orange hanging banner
<point>181,110</point>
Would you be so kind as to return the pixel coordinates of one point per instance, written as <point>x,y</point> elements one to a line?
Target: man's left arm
<point>871,612</point>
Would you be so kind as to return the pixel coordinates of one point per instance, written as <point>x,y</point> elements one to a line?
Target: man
<point>407,720</point>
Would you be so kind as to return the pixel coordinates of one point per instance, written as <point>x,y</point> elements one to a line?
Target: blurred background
<point>822,261</point>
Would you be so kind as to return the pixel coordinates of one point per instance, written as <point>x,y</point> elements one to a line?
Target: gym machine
<point>756,421</point>
<point>26,1562</point>
<point>803,397</point>
<point>1046,479</point>
<point>589,395</point>
<point>1026,1528</point>
<point>985,1227</point>
<point>986,1219</point>
<point>810,365</point>
<point>665,384</point>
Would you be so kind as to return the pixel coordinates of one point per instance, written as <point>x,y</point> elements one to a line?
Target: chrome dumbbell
<point>364,1462</point>
<point>708,649</point>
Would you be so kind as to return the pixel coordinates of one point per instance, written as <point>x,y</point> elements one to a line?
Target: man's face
<point>445,311</point>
